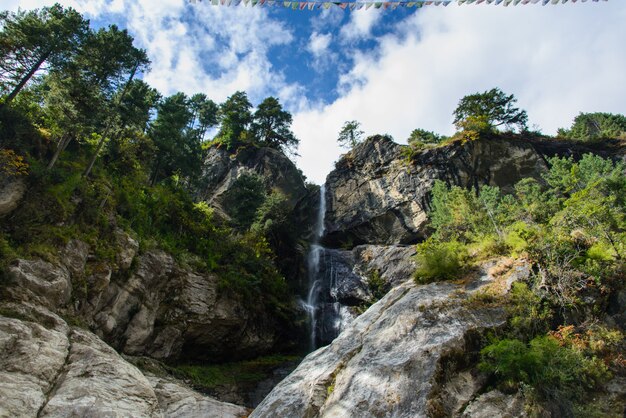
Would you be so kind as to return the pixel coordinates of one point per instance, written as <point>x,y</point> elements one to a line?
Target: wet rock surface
<point>388,361</point>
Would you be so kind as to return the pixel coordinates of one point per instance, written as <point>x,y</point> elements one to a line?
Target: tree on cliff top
<point>350,134</point>
<point>235,117</point>
<point>272,126</point>
<point>593,126</point>
<point>489,110</point>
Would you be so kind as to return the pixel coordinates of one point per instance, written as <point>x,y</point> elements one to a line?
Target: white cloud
<point>321,51</point>
<point>214,50</point>
<point>360,25</point>
<point>319,43</point>
<point>197,47</point>
<point>557,61</point>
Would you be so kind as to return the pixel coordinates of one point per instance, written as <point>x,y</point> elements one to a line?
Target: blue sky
<point>392,70</point>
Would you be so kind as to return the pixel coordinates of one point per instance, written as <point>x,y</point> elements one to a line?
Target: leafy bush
<point>594,126</point>
<point>440,261</point>
<point>556,372</point>
<point>376,285</point>
<point>244,198</point>
<point>529,315</point>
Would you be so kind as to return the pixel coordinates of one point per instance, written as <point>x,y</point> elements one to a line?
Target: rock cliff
<point>222,168</point>
<point>157,308</point>
<point>374,196</point>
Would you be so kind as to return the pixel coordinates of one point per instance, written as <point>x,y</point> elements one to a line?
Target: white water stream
<point>326,316</point>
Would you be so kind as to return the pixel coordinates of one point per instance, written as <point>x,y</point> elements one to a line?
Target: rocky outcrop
<point>176,400</point>
<point>399,357</point>
<point>347,281</point>
<point>40,282</point>
<point>158,308</point>
<point>50,369</point>
<point>496,404</point>
<point>222,168</point>
<point>375,197</point>
<point>12,190</point>
<point>166,312</point>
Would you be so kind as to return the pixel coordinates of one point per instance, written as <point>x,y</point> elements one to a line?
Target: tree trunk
<point>156,172</point>
<point>108,127</point>
<point>63,143</point>
<point>27,77</point>
<point>98,148</point>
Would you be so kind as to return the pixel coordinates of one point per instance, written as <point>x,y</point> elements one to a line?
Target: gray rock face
<point>222,168</point>
<point>11,193</point>
<point>32,357</point>
<point>496,404</point>
<point>177,401</point>
<point>374,197</point>
<point>160,309</point>
<point>128,249</point>
<point>166,312</point>
<point>96,381</point>
<point>394,264</point>
<point>388,362</point>
<point>343,282</point>
<point>48,369</point>
<point>41,282</point>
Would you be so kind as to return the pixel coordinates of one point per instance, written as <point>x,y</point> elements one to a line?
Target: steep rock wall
<point>375,197</point>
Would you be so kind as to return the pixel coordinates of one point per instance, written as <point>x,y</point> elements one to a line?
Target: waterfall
<point>326,316</point>
<point>313,269</point>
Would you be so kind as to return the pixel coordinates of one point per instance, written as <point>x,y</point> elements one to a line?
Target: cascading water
<point>326,315</point>
<point>313,267</point>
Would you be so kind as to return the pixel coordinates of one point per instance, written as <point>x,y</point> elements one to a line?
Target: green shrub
<point>529,315</point>
<point>557,373</point>
<point>440,261</point>
<point>376,285</point>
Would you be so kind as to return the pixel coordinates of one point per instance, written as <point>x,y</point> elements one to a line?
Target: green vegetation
<point>377,285</point>
<point>350,134</point>
<point>476,116</point>
<point>596,126</point>
<point>488,111</point>
<point>571,227</point>
<point>101,150</point>
<point>248,373</point>
<point>269,126</point>
<point>557,373</point>
<point>440,261</point>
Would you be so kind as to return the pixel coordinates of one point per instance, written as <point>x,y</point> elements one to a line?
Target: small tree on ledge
<point>350,135</point>
<point>488,111</point>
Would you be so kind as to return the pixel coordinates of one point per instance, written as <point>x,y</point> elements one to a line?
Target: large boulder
<point>40,282</point>
<point>12,190</point>
<point>50,369</point>
<point>390,360</point>
<point>374,196</point>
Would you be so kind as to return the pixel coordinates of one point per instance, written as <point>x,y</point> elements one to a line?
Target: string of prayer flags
<point>359,5</point>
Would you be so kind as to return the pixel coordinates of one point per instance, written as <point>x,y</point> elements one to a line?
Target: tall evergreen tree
<point>31,41</point>
<point>271,126</point>
<point>178,148</point>
<point>350,134</point>
<point>235,118</point>
<point>492,109</point>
